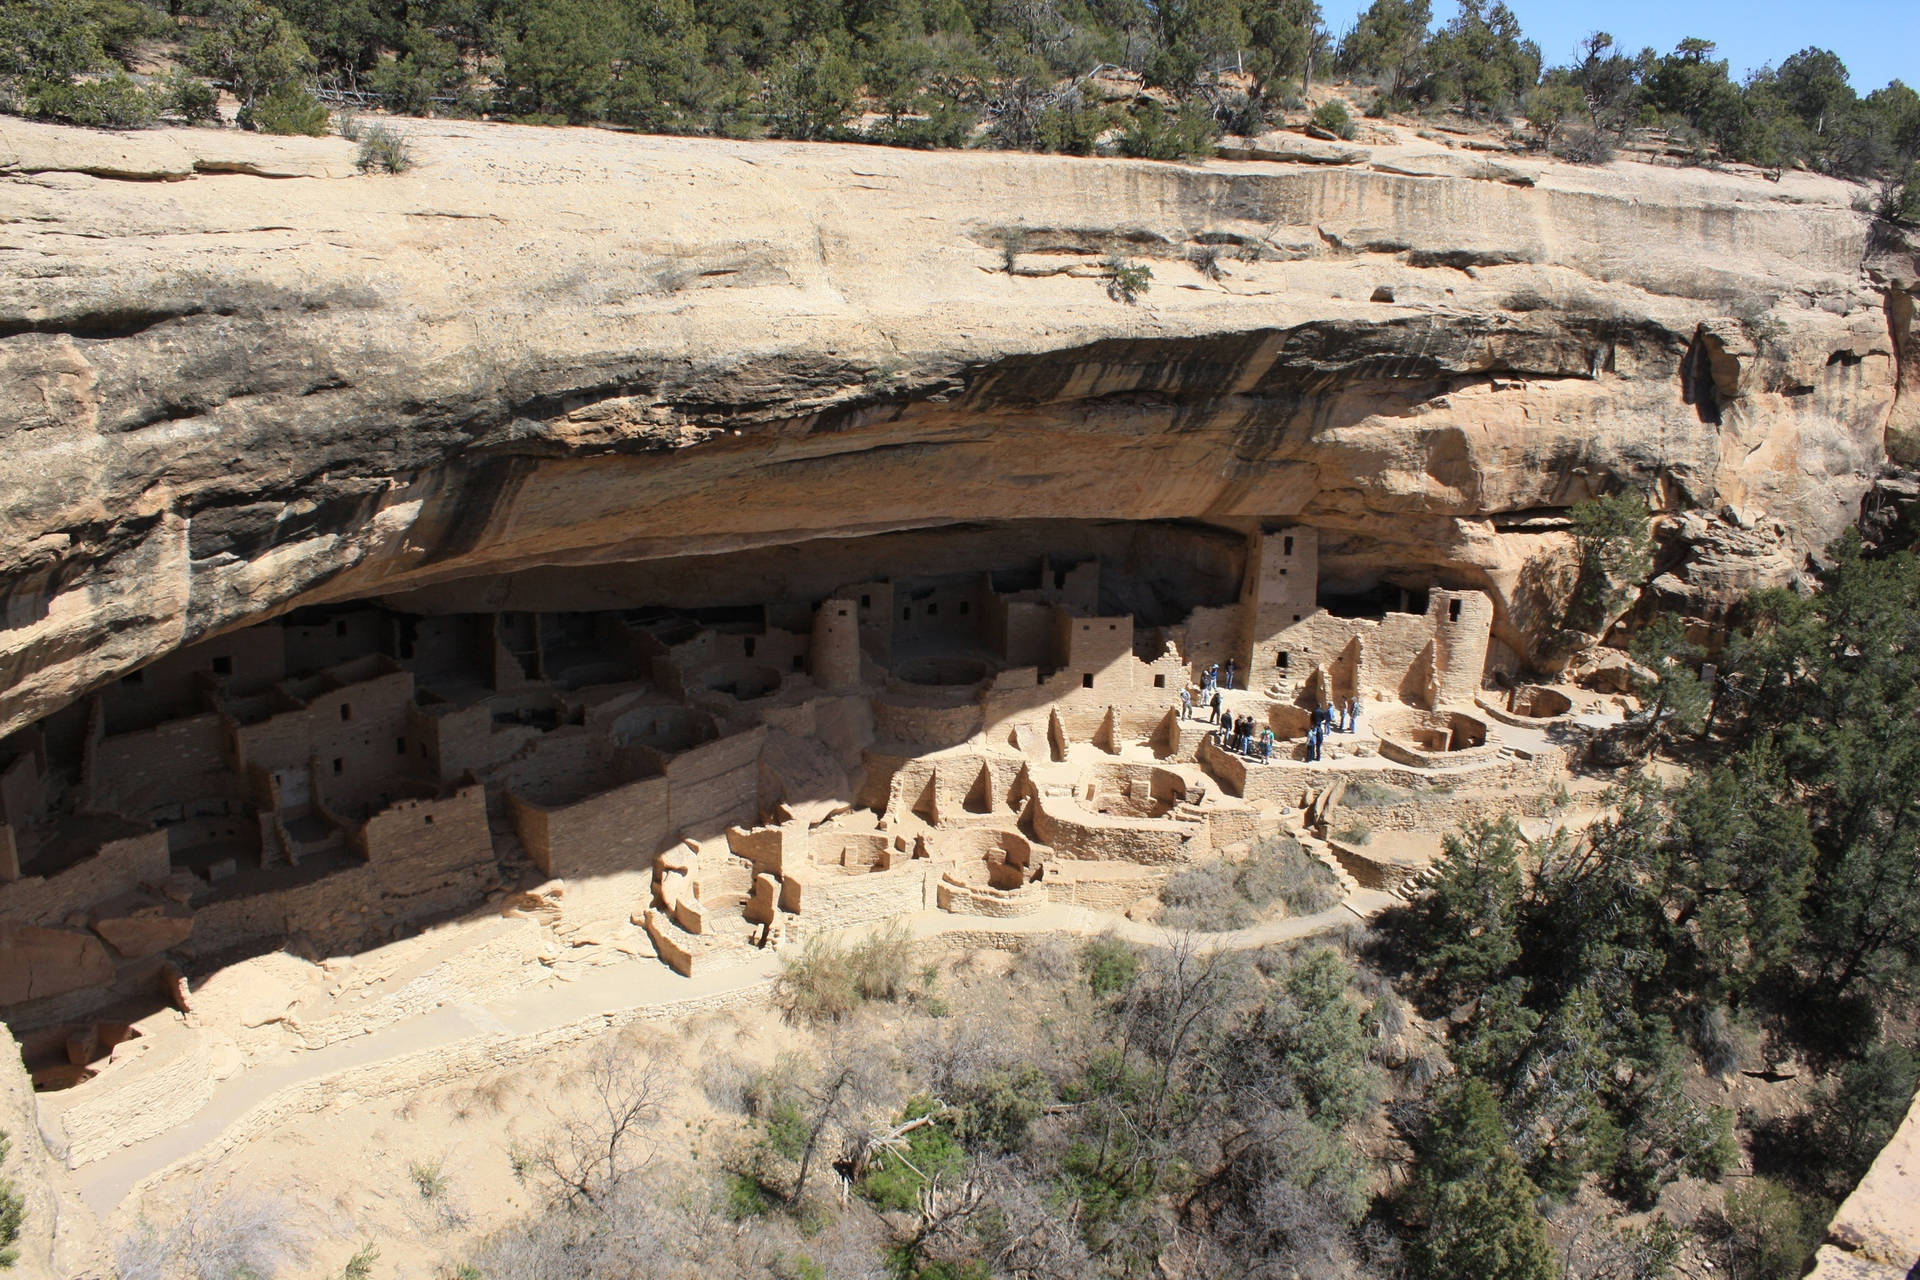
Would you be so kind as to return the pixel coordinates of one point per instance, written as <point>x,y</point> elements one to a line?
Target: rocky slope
<point>238,376</point>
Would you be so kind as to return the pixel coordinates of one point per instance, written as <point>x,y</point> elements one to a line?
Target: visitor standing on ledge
<point>1229,675</point>
<point>1209,681</point>
<point>1266,745</point>
<point>1186,701</point>
<point>1353,718</point>
<point>1215,717</point>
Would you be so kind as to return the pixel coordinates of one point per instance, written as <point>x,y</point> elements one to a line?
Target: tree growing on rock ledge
<point>1613,554</point>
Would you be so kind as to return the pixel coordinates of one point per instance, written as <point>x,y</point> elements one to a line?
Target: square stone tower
<point>1282,583</point>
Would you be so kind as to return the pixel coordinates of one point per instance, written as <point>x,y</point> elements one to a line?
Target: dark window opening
<point>799,663</point>
<point>340,629</point>
<point>906,615</point>
<point>963,608</point>
<point>866,602</point>
<point>1296,617</point>
<point>399,746</point>
<point>346,711</point>
<point>933,610</point>
<point>1086,680</point>
<point>223,666</point>
<point>1059,579</point>
<point>134,677</point>
<point>1113,626</point>
<point>1453,611</point>
<point>1286,547</point>
<point>1160,682</point>
<point>749,646</point>
<point>839,613</point>
<point>1283,573</point>
<point>1375,602</point>
<point>429,819</point>
<point>339,765</point>
<point>1280,661</point>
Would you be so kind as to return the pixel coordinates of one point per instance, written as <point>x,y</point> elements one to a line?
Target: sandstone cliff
<point>239,376</point>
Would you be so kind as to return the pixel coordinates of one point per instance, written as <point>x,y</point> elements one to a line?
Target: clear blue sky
<point>1879,40</point>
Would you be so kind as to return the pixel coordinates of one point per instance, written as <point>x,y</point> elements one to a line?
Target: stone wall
<point>118,866</point>
<point>618,829</point>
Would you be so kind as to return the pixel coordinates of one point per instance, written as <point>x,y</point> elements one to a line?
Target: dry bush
<point>1048,958</point>
<point>828,982</point>
<point>601,1140</point>
<point>254,1236</point>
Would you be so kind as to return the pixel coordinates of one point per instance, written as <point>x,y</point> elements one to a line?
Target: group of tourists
<point>1240,734</point>
<point>1328,719</point>
<point>1236,733</point>
<point>1215,679</point>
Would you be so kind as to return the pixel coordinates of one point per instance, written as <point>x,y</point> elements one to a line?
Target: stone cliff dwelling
<point>982,742</point>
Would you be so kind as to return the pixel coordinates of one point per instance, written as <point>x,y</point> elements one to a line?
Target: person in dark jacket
<point>1215,718</point>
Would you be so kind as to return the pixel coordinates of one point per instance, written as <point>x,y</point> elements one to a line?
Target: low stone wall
<point>1075,833</point>
<point>964,899</point>
<point>833,901</point>
<point>1103,887</point>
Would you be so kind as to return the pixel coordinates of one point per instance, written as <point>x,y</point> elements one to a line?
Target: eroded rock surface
<point>239,377</point>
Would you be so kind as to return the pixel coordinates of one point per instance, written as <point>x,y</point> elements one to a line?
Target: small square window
<point>429,819</point>
<point>1280,661</point>
<point>1296,617</point>
<point>866,602</point>
<point>339,765</point>
<point>1283,573</point>
<point>1086,680</point>
<point>839,613</point>
<point>223,666</point>
<point>1160,682</point>
<point>1113,626</point>
<point>1453,611</point>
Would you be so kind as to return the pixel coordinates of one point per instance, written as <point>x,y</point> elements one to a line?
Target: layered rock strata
<point>241,377</point>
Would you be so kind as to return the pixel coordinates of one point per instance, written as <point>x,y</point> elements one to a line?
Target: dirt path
<point>610,991</point>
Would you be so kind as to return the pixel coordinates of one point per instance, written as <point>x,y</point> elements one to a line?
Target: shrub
<point>289,110</point>
<point>1307,885</point>
<point>745,1198</point>
<point>1127,281</point>
<point>1585,145</point>
<point>111,102</point>
<point>1354,833</point>
<point>1332,116</point>
<point>13,1211</point>
<point>1109,964</point>
<point>1048,958</point>
<point>1770,1232</point>
<point>189,98</point>
<point>1206,260</point>
<point>347,125</point>
<point>827,982</point>
<point>383,151</point>
<point>429,1177</point>
<point>1153,134</point>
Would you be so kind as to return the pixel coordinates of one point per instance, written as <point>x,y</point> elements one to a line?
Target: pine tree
<point>1478,1206</point>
